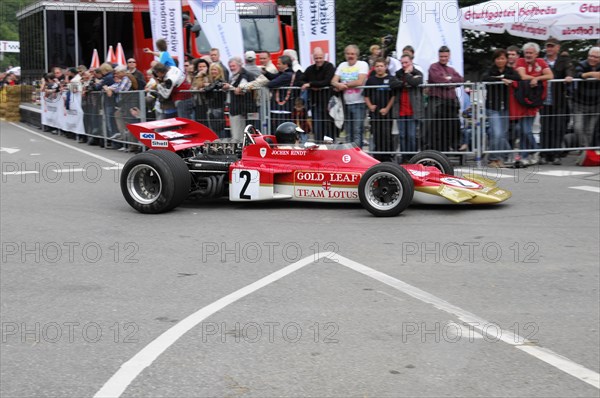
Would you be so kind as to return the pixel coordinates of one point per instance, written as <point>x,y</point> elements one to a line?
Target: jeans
<point>407,133</point>
<point>354,122</point>
<point>586,120</point>
<point>527,139</point>
<point>185,108</point>
<point>498,132</point>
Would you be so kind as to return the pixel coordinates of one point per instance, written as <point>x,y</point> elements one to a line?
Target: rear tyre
<point>386,189</point>
<point>435,159</point>
<point>155,181</point>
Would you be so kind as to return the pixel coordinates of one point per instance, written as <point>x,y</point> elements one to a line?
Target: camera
<point>387,40</point>
<point>218,85</point>
<point>387,45</point>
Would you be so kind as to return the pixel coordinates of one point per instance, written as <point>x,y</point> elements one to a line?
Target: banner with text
<point>9,46</point>
<point>63,111</point>
<point>220,21</point>
<point>561,19</point>
<point>316,28</point>
<point>166,23</point>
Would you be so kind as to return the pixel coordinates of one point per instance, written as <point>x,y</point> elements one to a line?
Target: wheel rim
<point>431,162</point>
<point>384,191</point>
<point>144,184</point>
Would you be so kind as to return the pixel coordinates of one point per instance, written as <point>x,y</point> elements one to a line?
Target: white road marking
<point>68,170</point>
<point>34,154</point>
<point>480,324</point>
<point>119,382</point>
<point>109,161</point>
<point>19,173</point>
<point>9,150</point>
<point>587,188</point>
<point>563,173</point>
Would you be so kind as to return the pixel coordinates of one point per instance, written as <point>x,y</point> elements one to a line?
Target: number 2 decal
<point>246,175</point>
<point>245,185</point>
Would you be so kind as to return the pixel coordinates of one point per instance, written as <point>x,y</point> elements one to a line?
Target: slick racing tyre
<point>155,181</point>
<point>386,189</point>
<point>435,159</point>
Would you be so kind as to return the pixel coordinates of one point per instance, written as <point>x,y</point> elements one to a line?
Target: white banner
<point>63,112</point>
<point>220,22</point>
<point>9,46</point>
<point>316,28</point>
<point>428,25</point>
<point>166,22</point>
<point>564,20</point>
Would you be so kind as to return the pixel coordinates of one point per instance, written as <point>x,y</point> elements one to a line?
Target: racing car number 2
<point>245,184</point>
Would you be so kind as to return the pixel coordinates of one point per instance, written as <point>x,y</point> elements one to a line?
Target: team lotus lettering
<point>589,8</point>
<point>326,194</point>
<point>331,177</point>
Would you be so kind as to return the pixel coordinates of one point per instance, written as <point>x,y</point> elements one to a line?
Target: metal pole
<point>45,40</point>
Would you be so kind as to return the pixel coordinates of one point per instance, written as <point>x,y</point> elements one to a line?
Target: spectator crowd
<point>404,111</point>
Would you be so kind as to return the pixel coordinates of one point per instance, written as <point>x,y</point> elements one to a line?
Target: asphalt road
<point>285,299</point>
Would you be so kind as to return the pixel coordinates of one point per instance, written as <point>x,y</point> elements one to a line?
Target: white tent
<point>564,20</point>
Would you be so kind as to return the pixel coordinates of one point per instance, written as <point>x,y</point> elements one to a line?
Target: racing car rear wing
<point>173,134</point>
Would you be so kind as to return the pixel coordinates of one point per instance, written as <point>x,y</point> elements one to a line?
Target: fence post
<point>265,121</point>
<point>480,121</point>
<point>142,108</point>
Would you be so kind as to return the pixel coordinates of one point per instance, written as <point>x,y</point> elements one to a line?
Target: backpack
<point>530,97</point>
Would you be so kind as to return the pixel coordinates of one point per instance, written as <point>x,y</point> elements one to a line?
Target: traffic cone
<point>110,56</point>
<point>95,60</point>
<point>120,55</point>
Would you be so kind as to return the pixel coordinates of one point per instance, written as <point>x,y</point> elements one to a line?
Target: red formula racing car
<point>186,158</point>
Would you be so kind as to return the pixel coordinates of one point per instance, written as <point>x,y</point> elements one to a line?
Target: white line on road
<point>587,188</point>
<point>109,161</point>
<point>563,173</point>
<point>68,170</point>
<point>117,384</point>
<point>480,324</point>
<point>19,173</point>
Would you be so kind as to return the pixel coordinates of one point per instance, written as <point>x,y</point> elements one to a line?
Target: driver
<point>288,134</point>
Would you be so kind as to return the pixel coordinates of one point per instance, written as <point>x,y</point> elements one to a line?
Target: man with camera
<point>172,85</point>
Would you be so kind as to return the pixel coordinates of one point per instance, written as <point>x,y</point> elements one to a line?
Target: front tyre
<point>386,189</point>
<point>155,181</point>
<point>433,158</point>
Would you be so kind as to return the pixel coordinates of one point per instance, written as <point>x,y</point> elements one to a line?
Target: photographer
<point>172,85</point>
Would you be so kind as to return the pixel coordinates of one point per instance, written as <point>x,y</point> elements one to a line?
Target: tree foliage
<point>9,28</point>
<point>360,22</point>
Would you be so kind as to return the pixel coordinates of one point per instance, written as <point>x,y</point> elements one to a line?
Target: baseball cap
<point>552,41</point>
<point>250,55</point>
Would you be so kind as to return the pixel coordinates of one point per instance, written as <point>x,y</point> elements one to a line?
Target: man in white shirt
<point>349,76</point>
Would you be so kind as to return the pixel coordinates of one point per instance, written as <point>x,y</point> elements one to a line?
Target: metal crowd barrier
<point>456,119</point>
